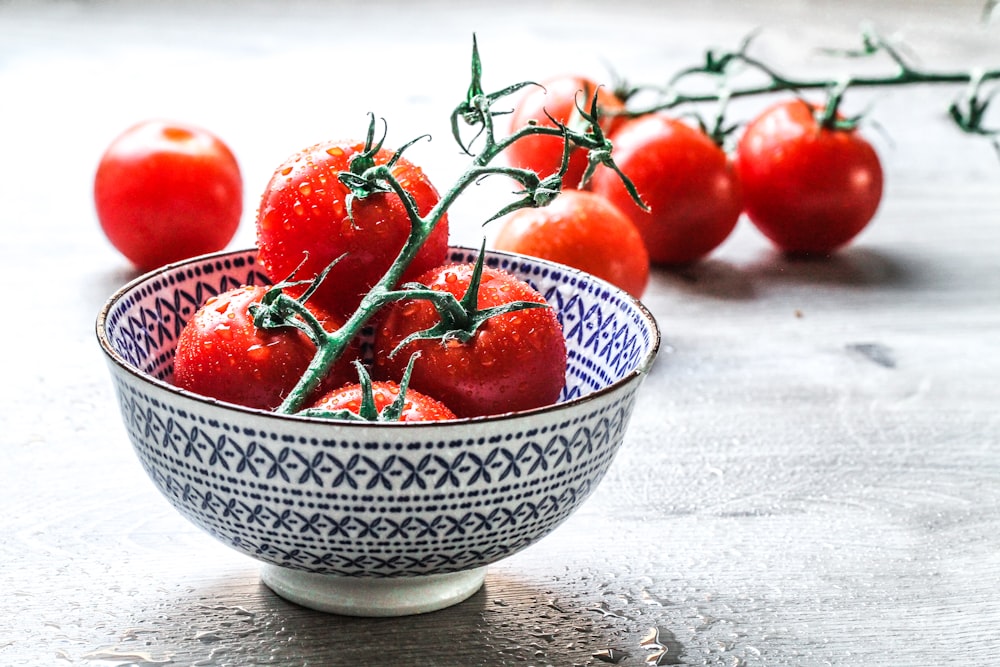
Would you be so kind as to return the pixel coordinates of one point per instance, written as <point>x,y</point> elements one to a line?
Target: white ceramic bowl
<point>375,519</point>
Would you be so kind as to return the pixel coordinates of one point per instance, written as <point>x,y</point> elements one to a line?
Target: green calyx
<point>368,411</point>
<point>366,177</point>
<point>276,309</point>
<point>460,318</point>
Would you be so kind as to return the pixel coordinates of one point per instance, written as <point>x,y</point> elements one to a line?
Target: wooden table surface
<point>813,473</point>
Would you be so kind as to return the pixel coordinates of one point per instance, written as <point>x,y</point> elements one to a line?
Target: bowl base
<point>367,596</point>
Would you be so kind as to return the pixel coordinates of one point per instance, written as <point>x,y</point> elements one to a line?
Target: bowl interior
<point>610,336</point>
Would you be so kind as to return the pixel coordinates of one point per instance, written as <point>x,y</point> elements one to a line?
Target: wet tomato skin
<point>515,361</point>
<point>417,407</point>
<point>809,189</point>
<point>583,230</point>
<point>687,181</point>
<point>222,355</point>
<point>303,224</point>
<point>167,191</point>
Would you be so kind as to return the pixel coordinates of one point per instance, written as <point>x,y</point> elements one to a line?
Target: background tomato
<point>684,177</point>
<point>558,98</point>
<point>515,361</point>
<point>167,191</point>
<point>807,188</point>
<point>221,354</point>
<point>303,220</point>
<point>583,230</point>
<point>416,406</point>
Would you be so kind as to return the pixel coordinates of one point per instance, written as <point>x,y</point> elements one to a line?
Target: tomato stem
<point>967,112</point>
<point>364,177</point>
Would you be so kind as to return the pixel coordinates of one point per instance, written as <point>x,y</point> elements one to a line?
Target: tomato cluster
<point>326,245</point>
<point>808,186</point>
<point>352,234</point>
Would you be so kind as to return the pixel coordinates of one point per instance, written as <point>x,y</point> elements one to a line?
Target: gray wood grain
<point>813,474</point>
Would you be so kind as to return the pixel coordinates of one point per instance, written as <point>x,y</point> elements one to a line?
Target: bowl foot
<point>367,596</point>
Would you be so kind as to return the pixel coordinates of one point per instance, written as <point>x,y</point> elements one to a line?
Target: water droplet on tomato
<point>305,189</point>
<point>258,352</point>
<point>335,151</point>
<point>224,332</point>
<point>286,171</point>
<point>298,208</point>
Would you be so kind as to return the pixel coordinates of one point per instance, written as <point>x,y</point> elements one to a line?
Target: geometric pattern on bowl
<point>375,500</point>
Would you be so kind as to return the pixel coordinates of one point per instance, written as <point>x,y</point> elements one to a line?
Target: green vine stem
<point>968,111</point>
<point>366,177</point>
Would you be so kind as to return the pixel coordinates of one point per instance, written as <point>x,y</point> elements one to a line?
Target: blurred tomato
<point>583,230</point>
<point>168,191</point>
<point>685,178</point>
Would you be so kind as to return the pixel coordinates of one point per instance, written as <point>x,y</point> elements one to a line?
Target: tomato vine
<point>968,111</point>
<point>365,177</point>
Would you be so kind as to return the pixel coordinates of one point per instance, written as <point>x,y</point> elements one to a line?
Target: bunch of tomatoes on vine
<point>353,237</point>
<point>363,316</point>
<point>802,173</point>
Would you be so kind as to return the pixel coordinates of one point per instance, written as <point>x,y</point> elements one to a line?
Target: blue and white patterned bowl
<point>375,519</point>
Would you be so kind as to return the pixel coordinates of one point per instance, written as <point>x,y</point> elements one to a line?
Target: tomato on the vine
<point>583,230</point>
<point>808,188</point>
<point>686,180</point>
<point>221,353</point>
<point>558,98</point>
<point>417,407</point>
<point>308,218</point>
<point>167,191</point>
<point>513,361</point>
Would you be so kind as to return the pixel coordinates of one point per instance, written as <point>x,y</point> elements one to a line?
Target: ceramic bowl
<point>375,519</point>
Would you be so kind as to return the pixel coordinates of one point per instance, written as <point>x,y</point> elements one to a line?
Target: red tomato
<point>303,220</point>
<point>807,188</point>
<point>221,354</point>
<point>167,191</point>
<point>416,406</point>
<point>684,177</point>
<point>514,361</point>
<point>583,230</point>
<point>559,98</point>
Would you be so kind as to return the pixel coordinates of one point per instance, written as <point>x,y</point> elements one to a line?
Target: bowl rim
<point>110,353</point>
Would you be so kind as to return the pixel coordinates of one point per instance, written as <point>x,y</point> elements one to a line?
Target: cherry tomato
<point>221,354</point>
<point>167,191</point>
<point>557,98</point>
<point>303,220</point>
<point>583,230</point>
<point>807,188</point>
<point>686,180</point>
<point>416,406</point>
<point>514,361</point>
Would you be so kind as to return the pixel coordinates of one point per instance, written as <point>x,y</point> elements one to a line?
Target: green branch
<point>968,111</point>
<point>365,177</point>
